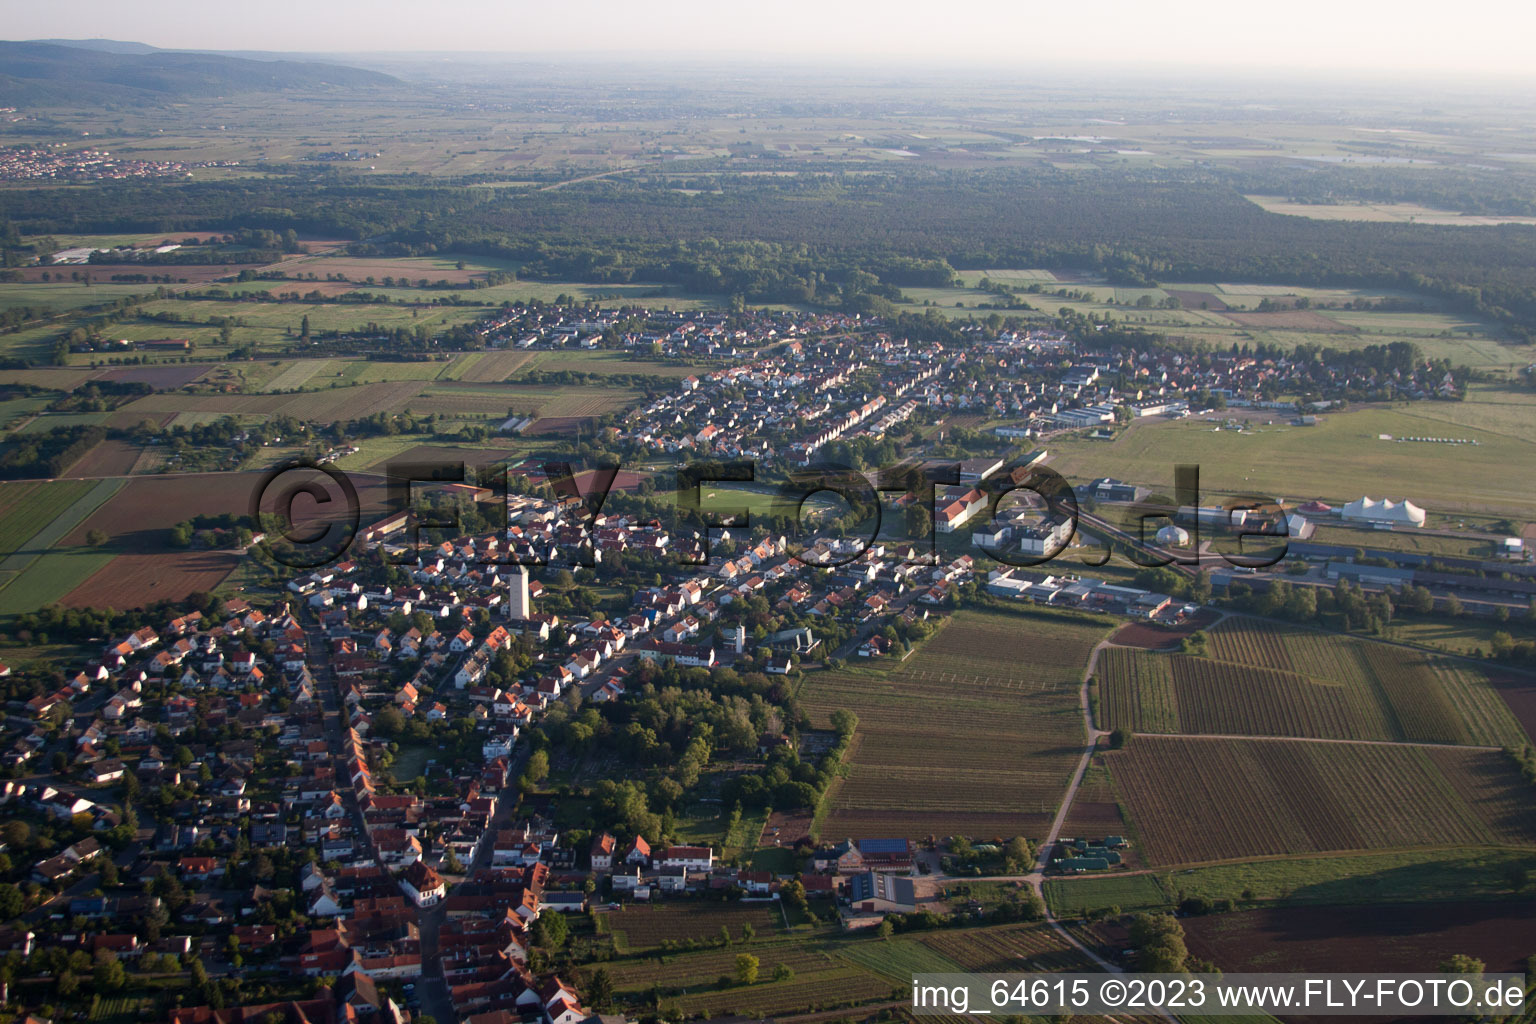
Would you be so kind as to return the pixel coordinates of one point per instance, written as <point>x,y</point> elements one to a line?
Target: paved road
<point>433,987</point>
<point>328,688</point>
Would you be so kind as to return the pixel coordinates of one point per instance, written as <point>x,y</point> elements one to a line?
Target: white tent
<point>1386,512</point>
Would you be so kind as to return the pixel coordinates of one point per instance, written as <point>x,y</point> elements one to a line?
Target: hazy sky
<point>1342,36</point>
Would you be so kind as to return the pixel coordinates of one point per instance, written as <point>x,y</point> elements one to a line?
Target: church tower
<point>518,605</point>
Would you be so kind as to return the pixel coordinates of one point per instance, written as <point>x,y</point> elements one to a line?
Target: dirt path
<point>1036,878</point>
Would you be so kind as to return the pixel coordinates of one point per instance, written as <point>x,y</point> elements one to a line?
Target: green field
<point>898,959</point>
<point>1440,334</point>
<point>722,499</point>
<point>600,361</point>
<point>1412,876</point>
<point>411,762</point>
<point>14,410</point>
<point>1078,897</point>
<point>59,296</point>
<point>640,927</point>
<point>35,572</point>
<point>1464,636</point>
<point>1338,460</point>
<point>1200,800</point>
<point>1261,679</point>
<point>1418,542</point>
<point>26,506</point>
<point>976,734</point>
<point>50,578</point>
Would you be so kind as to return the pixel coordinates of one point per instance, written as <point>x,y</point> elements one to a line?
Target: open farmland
<point>1410,937</point>
<point>1398,877</point>
<point>639,927</point>
<point>57,378</point>
<point>137,517</point>
<point>690,979</point>
<point>1390,694</point>
<point>40,570</point>
<point>564,403</point>
<point>27,506</point>
<point>1337,460</point>
<point>977,734</point>
<point>299,373</point>
<point>1014,947</point>
<point>48,578</point>
<point>1078,896</point>
<point>490,367</point>
<point>1095,811</point>
<point>131,580</point>
<point>109,458</point>
<point>1268,679</point>
<point>1413,213</point>
<point>1193,800</point>
<point>160,376</point>
<point>1290,319</point>
<point>832,988</point>
<point>602,361</point>
<point>323,406</point>
<point>358,270</point>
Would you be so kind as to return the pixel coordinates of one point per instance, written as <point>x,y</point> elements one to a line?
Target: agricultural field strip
<point>1006,948</point>
<point>295,375</point>
<point>29,503</point>
<point>1204,799</point>
<point>839,972</point>
<point>60,525</point>
<point>49,579</point>
<point>939,744</point>
<point>1130,891</point>
<point>1269,680</point>
<point>649,927</point>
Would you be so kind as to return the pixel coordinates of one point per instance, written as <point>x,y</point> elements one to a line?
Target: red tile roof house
<point>701,858</point>
<point>602,852</point>
<point>200,869</point>
<point>423,885</point>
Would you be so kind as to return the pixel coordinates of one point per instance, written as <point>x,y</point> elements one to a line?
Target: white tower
<point>518,605</point>
<point>739,638</point>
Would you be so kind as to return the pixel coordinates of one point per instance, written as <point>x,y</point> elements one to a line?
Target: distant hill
<point>104,45</point>
<point>87,73</point>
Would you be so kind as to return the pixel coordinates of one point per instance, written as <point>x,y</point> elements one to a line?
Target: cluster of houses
<point>788,405</point>
<point>693,334</point>
<point>845,870</point>
<point>54,163</point>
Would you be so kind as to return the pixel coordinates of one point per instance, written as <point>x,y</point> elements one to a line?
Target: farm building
<point>1110,489</point>
<point>876,892</point>
<point>974,471</point>
<point>1298,527</point>
<point>850,856</point>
